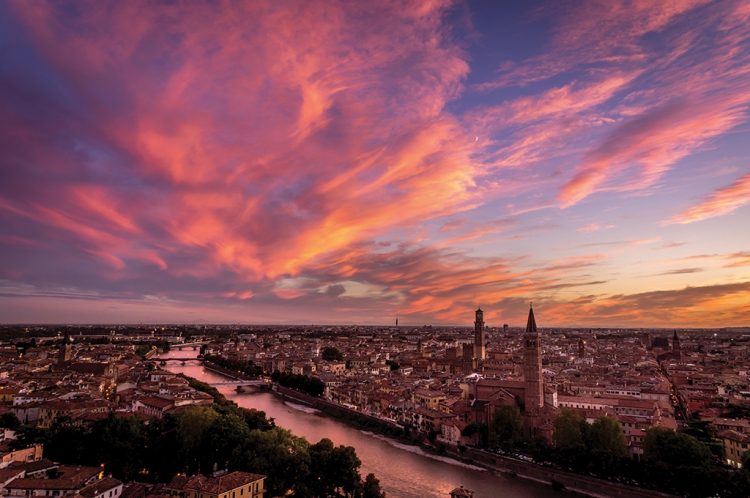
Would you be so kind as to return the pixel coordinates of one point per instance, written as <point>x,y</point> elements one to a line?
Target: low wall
<point>332,408</point>
<point>578,483</point>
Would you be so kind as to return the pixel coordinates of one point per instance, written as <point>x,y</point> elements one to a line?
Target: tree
<point>507,427</point>
<point>8,420</point>
<point>346,464</point>
<point>256,419</point>
<point>331,354</point>
<point>64,441</point>
<point>479,433</point>
<point>569,431</point>
<point>191,428</point>
<point>605,436</point>
<point>118,443</point>
<point>283,457</point>
<point>222,442</point>
<point>703,432</point>
<point>675,448</point>
<point>371,487</point>
<point>746,461</point>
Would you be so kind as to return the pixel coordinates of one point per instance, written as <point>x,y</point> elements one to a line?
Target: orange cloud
<point>721,202</point>
<point>651,143</point>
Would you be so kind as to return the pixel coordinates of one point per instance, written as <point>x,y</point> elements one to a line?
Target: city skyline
<point>350,163</point>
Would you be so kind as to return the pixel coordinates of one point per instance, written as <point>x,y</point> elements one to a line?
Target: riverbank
<point>405,470</point>
<point>558,479</point>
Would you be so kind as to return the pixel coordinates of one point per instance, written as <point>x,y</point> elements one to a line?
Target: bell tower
<point>532,367</point>
<point>480,353</point>
<point>66,350</point>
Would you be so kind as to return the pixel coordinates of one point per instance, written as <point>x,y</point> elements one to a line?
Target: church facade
<point>528,395</point>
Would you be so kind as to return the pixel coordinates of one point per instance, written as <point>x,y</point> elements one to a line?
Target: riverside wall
<point>585,485</point>
<point>333,409</point>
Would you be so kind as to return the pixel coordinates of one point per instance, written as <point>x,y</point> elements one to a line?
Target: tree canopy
<point>569,431</point>
<point>507,427</point>
<point>675,448</point>
<point>331,354</point>
<point>206,439</point>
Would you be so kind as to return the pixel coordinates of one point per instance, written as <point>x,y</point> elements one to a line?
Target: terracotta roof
<point>222,484</point>
<point>734,436</point>
<point>99,487</point>
<point>156,402</point>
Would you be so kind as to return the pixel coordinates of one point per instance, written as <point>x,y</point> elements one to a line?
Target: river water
<point>404,471</point>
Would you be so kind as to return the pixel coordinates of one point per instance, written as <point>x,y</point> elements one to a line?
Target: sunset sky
<point>347,162</point>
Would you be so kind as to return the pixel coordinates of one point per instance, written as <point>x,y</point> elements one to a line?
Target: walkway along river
<point>404,471</point>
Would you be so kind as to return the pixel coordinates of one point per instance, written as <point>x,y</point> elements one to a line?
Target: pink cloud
<point>594,227</point>
<point>723,201</point>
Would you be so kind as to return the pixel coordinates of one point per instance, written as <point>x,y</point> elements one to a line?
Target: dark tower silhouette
<point>676,346</point>
<point>480,351</point>
<point>532,368</point>
<point>66,350</point>
<point>581,347</point>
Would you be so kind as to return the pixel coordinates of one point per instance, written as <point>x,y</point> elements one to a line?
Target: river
<point>404,471</point>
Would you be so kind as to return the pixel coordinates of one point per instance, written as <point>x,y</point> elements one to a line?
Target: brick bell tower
<point>532,368</point>
<point>480,352</point>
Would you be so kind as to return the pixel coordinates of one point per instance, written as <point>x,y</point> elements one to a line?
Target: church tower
<point>66,350</point>
<point>676,353</point>
<point>532,367</point>
<point>480,353</point>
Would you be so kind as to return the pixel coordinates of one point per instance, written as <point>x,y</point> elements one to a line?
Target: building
<point>735,444</point>
<point>480,343</point>
<point>532,368</point>
<point>68,480</point>
<point>527,394</point>
<point>232,485</point>
<point>66,350</point>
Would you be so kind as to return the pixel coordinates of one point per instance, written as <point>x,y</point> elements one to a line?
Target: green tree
<point>334,470</point>
<point>282,456</point>
<point>191,428</point>
<point>507,427</point>
<point>222,443</point>
<point>703,432</point>
<point>371,487</point>
<point>569,431</point>
<point>331,354</point>
<point>675,448</point>
<point>478,432</point>
<point>256,419</point>
<point>746,461</point>
<point>118,443</point>
<point>67,442</point>
<point>605,436</point>
<point>8,420</point>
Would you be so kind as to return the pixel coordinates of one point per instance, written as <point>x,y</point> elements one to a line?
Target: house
<point>30,454</point>
<point>153,406</point>
<point>103,488</point>
<point>735,444</point>
<point>67,480</point>
<point>232,485</point>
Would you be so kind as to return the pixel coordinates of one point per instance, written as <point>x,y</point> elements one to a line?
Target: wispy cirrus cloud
<point>594,227</point>
<point>259,157</point>
<point>723,201</point>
